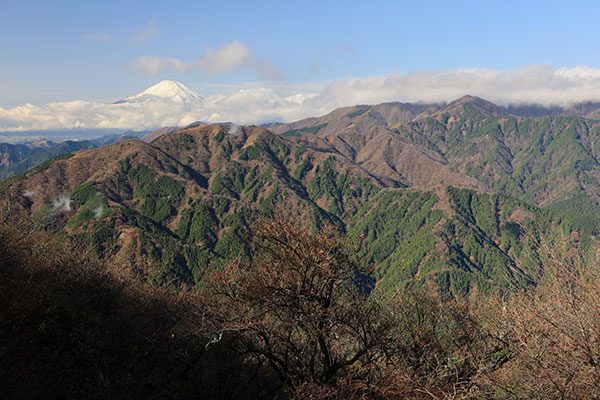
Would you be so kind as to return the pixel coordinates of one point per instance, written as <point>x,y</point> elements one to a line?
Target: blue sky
<point>102,51</point>
<point>50,53</point>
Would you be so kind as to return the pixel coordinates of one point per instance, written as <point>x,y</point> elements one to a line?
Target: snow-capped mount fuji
<point>165,90</point>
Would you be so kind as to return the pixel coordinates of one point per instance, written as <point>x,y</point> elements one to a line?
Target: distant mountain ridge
<point>468,139</point>
<point>397,113</point>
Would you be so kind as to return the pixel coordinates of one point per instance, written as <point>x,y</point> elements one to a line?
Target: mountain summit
<point>166,90</point>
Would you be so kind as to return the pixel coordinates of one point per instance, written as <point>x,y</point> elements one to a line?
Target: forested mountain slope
<point>448,194</point>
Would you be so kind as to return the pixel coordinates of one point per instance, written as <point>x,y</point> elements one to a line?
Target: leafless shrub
<point>551,333</point>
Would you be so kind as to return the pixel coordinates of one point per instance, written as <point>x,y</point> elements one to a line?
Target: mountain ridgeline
<point>452,195</point>
<point>15,159</point>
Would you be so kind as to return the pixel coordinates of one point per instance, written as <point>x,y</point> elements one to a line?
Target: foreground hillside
<point>73,327</point>
<point>289,324</point>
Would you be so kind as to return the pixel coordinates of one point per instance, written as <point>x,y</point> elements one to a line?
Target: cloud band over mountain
<point>253,103</point>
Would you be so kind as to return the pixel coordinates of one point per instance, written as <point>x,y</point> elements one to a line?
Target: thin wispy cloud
<point>99,37</point>
<point>257,102</point>
<point>231,57</point>
<point>139,35</point>
<point>144,33</point>
<point>336,54</point>
<point>264,69</point>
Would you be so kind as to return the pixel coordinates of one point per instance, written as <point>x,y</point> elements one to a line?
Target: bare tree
<point>296,310</point>
<point>297,305</point>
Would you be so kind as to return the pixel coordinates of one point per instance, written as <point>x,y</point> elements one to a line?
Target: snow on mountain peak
<point>168,90</point>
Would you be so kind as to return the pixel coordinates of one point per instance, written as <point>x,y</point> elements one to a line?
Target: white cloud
<point>260,102</point>
<point>153,66</point>
<point>229,58</point>
<point>232,56</point>
<point>580,72</point>
<point>539,84</point>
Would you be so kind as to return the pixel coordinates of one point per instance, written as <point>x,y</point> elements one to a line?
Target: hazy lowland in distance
<point>18,137</point>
